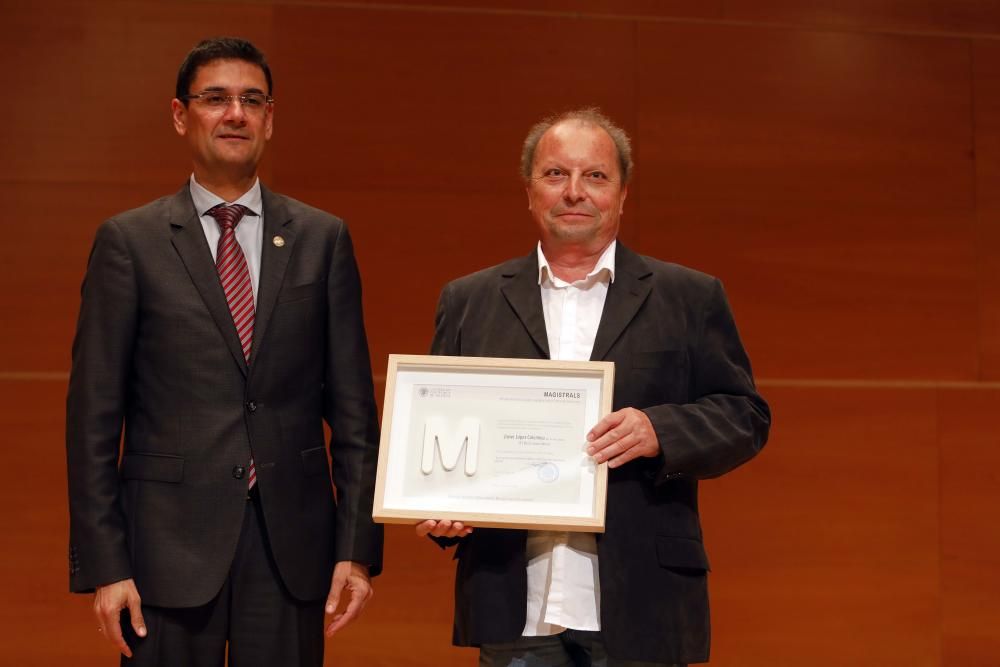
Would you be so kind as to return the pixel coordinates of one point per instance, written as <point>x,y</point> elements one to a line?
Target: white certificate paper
<point>498,446</point>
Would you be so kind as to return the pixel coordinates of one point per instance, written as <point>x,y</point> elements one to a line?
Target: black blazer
<point>678,357</point>
<point>156,349</point>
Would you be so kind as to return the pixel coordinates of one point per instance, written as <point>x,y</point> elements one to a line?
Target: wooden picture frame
<point>522,425</point>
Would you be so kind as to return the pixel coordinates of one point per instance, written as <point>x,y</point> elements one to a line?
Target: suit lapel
<point>525,298</point>
<point>274,258</point>
<point>625,296</point>
<point>189,241</point>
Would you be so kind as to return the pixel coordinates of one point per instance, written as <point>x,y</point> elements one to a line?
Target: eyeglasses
<point>216,101</point>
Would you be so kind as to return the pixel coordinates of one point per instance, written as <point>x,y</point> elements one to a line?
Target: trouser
<point>570,648</point>
<point>254,620</point>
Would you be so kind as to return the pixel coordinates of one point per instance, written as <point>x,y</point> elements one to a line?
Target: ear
<point>269,124</point>
<point>621,204</point>
<point>179,113</point>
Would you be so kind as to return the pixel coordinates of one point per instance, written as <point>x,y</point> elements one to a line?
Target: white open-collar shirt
<point>564,588</point>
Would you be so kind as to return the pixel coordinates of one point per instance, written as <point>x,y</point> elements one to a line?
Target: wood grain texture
<point>434,103</point>
<point>408,246</point>
<point>970,542</point>
<point>95,80</point>
<point>48,233</point>
<point>824,549</point>
<point>835,163</point>
<point>935,16</point>
<point>34,569</point>
<point>843,226</point>
<point>986,56</point>
<point>408,623</point>
<point>618,9</point>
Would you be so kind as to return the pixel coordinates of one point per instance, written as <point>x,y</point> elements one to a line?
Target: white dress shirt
<point>249,231</point>
<point>564,589</point>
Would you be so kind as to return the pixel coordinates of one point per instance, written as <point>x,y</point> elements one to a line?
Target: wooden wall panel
<point>841,181</point>
<point>34,568</point>
<point>401,284</point>
<point>408,623</point>
<point>707,9</point>
<point>838,208</point>
<point>433,103</point>
<point>986,56</point>
<point>936,16</point>
<point>617,9</point>
<point>94,82</point>
<point>436,123</point>
<point>970,541</point>
<point>825,547</point>
<point>47,236</point>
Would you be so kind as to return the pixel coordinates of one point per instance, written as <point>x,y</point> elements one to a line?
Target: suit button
<point>239,471</point>
<point>252,406</point>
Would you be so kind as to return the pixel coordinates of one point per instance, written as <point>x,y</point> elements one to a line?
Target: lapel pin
<point>278,242</point>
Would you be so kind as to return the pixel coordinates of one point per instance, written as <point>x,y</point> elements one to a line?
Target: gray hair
<point>590,116</point>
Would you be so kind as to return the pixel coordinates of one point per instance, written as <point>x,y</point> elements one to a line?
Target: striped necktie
<point>235,278</point>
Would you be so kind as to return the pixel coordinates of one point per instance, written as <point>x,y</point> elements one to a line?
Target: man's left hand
<point>352,577</point>
<point>623,435</point>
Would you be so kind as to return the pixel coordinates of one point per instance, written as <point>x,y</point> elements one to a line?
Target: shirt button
<point>252,406</point>
<point>239,471</point>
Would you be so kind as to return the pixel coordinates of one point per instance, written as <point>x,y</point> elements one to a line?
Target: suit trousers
<point>570,648</point>
<point>254,620</point>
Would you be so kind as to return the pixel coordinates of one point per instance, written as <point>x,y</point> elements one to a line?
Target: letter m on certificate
<point>449,442</point>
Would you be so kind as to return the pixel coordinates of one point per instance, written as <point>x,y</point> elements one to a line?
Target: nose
<point>575,190</point>
<point>234,111</point>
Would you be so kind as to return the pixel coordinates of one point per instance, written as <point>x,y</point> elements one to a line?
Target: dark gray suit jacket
<point>678,357</point>
<point>157,351</point>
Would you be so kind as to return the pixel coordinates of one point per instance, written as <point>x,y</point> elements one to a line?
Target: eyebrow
<point>559,165</point>
<point>222,89</point>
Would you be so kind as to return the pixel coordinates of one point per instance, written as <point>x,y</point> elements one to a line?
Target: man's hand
<point>443,528</point>
<point>354,577</point>
<point>622,436</point>
<point>108,604</point>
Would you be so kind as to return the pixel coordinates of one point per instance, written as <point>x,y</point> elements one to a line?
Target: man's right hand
<point>109,601</point>
<point>442,528</point>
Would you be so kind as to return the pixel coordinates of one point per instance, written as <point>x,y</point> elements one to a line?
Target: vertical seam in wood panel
<point>976,213</point>
<point>938,395</point>
<point>637,152</point>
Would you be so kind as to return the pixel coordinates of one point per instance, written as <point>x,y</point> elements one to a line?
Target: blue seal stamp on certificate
<point>548,472</point>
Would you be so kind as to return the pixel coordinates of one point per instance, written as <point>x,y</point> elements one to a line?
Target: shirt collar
<point>606,262</point>
<point>204,200</point>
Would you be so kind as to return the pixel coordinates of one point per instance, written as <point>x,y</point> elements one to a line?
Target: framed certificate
<point>492,442</point>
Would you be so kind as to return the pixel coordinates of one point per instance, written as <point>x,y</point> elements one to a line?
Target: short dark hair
<point>219,48</point>
<point>591,116</point>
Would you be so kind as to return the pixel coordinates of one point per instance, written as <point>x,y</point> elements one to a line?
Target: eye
<point>216,99</point>
<point>252,100</point>
<point>597,176</point>
<point>553,172</point>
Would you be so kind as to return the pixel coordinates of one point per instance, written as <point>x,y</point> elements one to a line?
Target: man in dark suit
<point>219,327</point>
<point>685,409</point>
